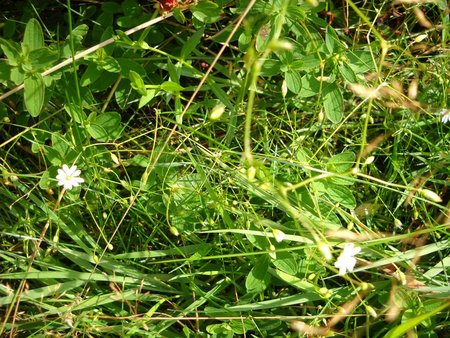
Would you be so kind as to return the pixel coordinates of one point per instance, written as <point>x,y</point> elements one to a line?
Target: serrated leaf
<point>105,127</point>
<point>33,37</point>
<point>333,102</point>
<point>34,93</point>
<point>258,279</point>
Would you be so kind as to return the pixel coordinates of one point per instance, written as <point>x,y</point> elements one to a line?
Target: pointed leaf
<point>191,44</point>
<point>137,83</point>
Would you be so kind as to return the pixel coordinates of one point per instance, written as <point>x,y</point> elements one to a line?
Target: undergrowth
<point>256,168</point>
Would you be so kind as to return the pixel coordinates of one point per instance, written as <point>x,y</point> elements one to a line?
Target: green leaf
<point>361,62</point>
<point>206,11</point>
<point>126,65</point>
<point>190,45</point>
<point>151,93</point>
<point>105,127</point>
<point>5,72</point>
<point>347,73</point>
<point>90,75</point>
<point>11,50</point>
<point>17,75</point>
<point>75,111</point>
<point>332,41</point>
<point>341,163</point>
<point>337,193</point>
<point>286,262</point>
<point>110,64</point>
<point>293,81</point>
<point>33,37</point>
<point>333,102</point>
<point>308,63</point>
<point>400,330</point>
<point>139,160</point>
<point>42,57</point>
<point>34,93</point>
<point>258,279</point>
<point>137,83</point>
<point>171,87</point>
<point>310,86</point>
<point>174,70</point>
<point>178,15</point>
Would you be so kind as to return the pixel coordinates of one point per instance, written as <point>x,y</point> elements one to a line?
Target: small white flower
<point>445,115</point>
<point>279,235</point>
<point>346,261</point>
<point>69,177</point>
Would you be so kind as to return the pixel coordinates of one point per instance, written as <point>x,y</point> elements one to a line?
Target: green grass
<point>229,150</point>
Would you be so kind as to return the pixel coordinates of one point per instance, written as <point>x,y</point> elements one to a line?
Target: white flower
<point>279,235</point>
<point>346,261</point>
<point>445,115</point>
<point>69,177</point>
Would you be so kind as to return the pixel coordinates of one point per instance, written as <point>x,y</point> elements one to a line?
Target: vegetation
<point>260,168</point>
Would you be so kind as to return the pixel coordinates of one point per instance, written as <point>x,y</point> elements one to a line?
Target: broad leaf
<point>293,81</point>
<point>258,279</point>
<point>333,102</point>
<point>34,93</point>
<point>105,127</point>
<point>206,11</point>
<point>33,37</point>
<point>42,58</point>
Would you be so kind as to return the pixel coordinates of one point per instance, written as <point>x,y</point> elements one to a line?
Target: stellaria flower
<point>445,115</point>
<point>346,261</point>
<point>69,177</point>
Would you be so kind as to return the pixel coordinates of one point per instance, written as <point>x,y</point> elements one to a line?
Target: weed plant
<point>274,168</point>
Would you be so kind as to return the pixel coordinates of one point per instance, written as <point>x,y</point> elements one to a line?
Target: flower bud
<point>430,195</point>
